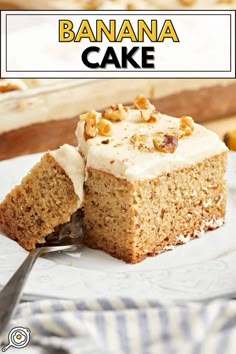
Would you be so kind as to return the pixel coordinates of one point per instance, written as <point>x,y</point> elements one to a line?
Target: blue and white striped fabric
<point>127,326</point>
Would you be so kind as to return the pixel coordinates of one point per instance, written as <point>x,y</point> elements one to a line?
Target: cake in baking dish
<point>46,198</point>
<point>153,181</point>
<point>46,117</point>
<point>8,85</point>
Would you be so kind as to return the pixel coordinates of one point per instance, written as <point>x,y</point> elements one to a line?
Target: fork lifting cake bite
<point>46,198</point>
<point>153,181</point>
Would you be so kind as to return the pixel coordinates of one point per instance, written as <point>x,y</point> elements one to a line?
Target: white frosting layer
<point>121,159</point>
<point>72,163</point>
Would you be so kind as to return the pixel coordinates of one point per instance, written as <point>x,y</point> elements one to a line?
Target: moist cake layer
<point>120,156</point>
<point>132,221</point>
<point>153,181</point>
<point>45,199</point>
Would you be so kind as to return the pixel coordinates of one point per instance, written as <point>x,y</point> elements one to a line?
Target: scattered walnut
<point>104,127</point>
<point>88,115</point>
<point>105,142</point>
<point>139,141</point>
<point>90,125</point>
<point>115,113</point>
<point>187,125</point>
<point>165,142</point>
<point>188,2</point>
<point>176,131</point>
<point>141,102</point>
<point>147,116</point>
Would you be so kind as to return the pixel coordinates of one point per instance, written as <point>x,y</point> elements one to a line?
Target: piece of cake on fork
<point>46,198</point>
<point>153,181</point>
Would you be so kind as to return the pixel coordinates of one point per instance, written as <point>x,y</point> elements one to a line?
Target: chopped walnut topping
<point>147,116</point>
<point>187,125</point>
<point>188,2</point>
<point>176,131</point>
<point>139,141</point>
<point>115,113</point>
<point>105,142</point>
<point>165,142</point>
<point>90,125</point>
<point>88,115</point>
<point>104,127</point>
<point>142,103</point>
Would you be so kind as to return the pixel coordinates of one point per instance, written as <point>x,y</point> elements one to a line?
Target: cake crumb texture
<point>132,221</point>
<point>44,199</point>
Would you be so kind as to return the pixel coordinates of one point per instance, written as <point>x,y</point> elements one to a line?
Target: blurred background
<point>36,115</point>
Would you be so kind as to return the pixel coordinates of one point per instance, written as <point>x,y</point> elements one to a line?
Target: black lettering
<point>85,55</point>
<point>127,57</point>
<point>146,57</point>
<point>110,58</point>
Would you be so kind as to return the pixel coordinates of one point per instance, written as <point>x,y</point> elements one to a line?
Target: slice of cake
<point>153,181</point>
<point>46,197</point>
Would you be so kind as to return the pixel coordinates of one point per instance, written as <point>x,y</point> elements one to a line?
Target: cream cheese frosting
<point>116,154</point>
<point>72,163</point>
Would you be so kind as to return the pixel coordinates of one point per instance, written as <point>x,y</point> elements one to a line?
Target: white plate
<point>203,268</point>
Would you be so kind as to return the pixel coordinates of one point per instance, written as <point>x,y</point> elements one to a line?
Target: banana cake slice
<point>152,181</point>
<point>46,198</point>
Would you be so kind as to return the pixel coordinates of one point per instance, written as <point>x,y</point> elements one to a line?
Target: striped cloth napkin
<point>123,325</point>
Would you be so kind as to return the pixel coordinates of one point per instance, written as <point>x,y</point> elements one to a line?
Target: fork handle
<point>10,294</point>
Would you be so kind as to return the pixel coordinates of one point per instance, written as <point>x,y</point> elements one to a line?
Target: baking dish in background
<point>44,117</point>
<point>117,4</point>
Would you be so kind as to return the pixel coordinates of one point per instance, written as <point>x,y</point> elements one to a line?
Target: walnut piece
<point>139,141</point>
<point>147,116</point>
<point>90,125</point>
<point>142,103</point>
<point>165,142</point>
<point>104,127</point>
<point>115,113</point>
<point>186,125</point>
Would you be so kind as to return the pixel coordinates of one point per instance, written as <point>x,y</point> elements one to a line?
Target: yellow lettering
<point>126,31</point>
<point>85,31</point>
<point>144,29</point>
<point>168,31</point>
<point>109,33</point>
<point>66,33</point>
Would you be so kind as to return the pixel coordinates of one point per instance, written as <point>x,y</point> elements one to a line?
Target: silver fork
<point>66,238</point>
